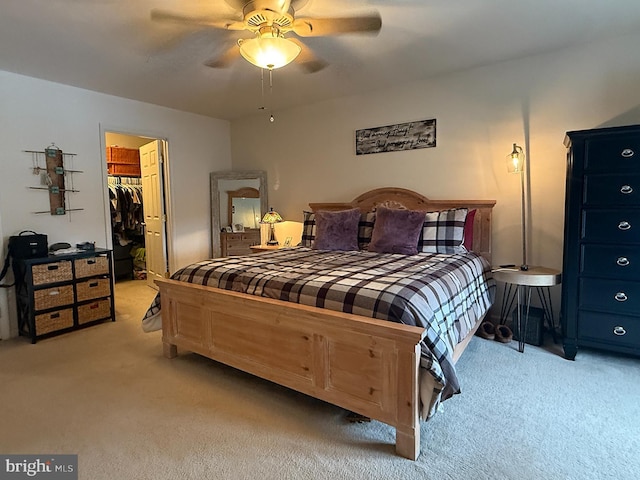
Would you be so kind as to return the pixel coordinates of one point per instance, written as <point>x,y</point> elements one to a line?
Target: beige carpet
<point>107,394</point>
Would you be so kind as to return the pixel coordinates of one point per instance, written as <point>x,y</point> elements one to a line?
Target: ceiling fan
<point>270,21</point>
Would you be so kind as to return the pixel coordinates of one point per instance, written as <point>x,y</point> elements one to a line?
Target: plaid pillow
<point>365,229</point>
<point>308,229</point>
<point>443,232</point>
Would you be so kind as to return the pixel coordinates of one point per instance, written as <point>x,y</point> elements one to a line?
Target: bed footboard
<point>364,365</point>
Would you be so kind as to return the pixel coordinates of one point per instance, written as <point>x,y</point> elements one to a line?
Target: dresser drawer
<point>95,288</point>
<point>97,310</point>
<point>611,225</point>
<point>87,267</point>
<point>239,243</point>
<point>616,330</point>
<point>611,261</point>
<point>233,237</point>
<point>51,272</point>
<point>53,321</point>
<point>616,189</point>
<point>53,297</point>
<point>617,153</point>
<point>614,296</point>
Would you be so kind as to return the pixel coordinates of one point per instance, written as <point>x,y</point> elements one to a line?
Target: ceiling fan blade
<point>306,59</point>
<point>273,5</point>
<point>159,15</point>
<point>283,6</point>
<point>318,27</point>
<point>299,4</point>
<point>225,59</point>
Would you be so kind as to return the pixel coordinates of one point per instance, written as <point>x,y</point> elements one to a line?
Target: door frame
<point>166,185</point>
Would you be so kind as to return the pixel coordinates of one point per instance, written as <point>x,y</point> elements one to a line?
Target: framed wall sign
<point>394,138</point>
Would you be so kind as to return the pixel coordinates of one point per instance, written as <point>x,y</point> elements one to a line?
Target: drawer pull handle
<point>621,297</point>
<point>627,153</point>
<point>54,292</point>
<point>624,225</point>
<point>54,315</point>
<point>93,284</point>
<point>618,330</point>
<point>623,261</point>
<point>90,262</point>
<point>626,189</point>
<point>52,267</point>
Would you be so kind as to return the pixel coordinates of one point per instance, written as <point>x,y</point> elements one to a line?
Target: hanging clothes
<point>127,217</point>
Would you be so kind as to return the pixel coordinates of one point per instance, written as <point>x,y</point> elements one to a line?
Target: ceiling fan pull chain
<point>262,87</point>
<point>271,118</point>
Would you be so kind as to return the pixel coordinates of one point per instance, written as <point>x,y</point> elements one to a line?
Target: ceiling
<point>112,46</point>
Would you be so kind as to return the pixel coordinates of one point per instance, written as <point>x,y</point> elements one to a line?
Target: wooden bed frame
<point>365,365</point>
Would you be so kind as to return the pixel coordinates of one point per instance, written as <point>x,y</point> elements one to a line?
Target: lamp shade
<point>515,160</point>
<point>267,51</point>
<point>271,217</point>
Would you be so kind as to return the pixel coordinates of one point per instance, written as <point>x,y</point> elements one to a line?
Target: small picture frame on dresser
<point>238,228</point>
<point>228,229</point>
<point>287,242</point>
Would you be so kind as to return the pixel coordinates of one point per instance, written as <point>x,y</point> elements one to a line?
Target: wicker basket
<point>123,155</point>
<point>100,309</point>
<point>51,272</point>
<point>87,267</point>
<point>50,322</point>
<point>128,170</point>
<point>95,288</point>
<point>53,297</point>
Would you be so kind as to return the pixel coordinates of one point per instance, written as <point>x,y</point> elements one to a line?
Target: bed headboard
<point>403,198</point>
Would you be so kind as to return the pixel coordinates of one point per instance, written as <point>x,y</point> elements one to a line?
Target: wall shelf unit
<point>49,166</point>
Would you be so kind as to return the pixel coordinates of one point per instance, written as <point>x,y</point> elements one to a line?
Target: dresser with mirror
<point>238,202</point>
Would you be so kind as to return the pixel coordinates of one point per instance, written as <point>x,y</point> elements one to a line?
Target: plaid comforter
<point>446,294</point>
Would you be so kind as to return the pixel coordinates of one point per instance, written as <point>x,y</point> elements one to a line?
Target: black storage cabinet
<point>601,264</point>
<point>61,293</point>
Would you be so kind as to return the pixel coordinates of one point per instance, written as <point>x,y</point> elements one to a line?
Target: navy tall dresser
<point>601,266</point>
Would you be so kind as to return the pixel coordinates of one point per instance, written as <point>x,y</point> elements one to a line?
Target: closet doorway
<point>138,219</point>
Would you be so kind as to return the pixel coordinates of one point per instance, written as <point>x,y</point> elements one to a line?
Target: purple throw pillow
<point>396,231</point>
<point>337,230</point>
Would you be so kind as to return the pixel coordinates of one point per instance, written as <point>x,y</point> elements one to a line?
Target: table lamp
<point>272,217</point>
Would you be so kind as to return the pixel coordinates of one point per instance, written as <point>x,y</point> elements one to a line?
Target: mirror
<point>244,207</point>
<point>235,189</point>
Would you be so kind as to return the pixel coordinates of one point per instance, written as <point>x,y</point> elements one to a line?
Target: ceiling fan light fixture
<point>269,51</point>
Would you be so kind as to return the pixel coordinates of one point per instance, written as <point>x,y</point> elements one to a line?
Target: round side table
<point>518,285</point>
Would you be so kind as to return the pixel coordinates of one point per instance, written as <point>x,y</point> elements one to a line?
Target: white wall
<point>309,152</point>
<point>35,113</point>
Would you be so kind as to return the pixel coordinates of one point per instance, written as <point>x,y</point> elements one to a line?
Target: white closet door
<point>153,208</point>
